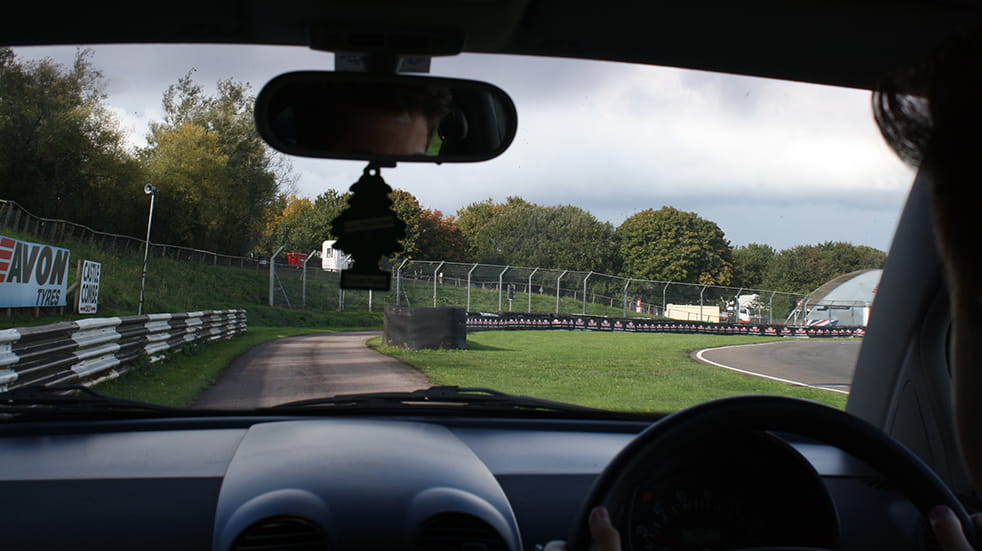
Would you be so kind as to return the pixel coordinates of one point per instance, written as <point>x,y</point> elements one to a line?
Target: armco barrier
<point>90,351</point>
<point>477,321</point>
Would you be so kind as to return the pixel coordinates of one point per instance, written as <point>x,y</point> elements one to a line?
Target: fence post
<point>399,282</point>
<point>469,272</point>
<point>701,291</point>
<point>500,276</point>
<point>557,288</point>
<point>770,309</point>
<point>664,303</point>
<point>530,289</point>
<point>303,289</point>
<point>272,272</point>
<point>440,265</point>
<point>625,295</point>
<point>585,279</point>
<point>736,306</point>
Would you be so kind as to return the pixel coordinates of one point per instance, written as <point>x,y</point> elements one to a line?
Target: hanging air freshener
<point>367,230</point>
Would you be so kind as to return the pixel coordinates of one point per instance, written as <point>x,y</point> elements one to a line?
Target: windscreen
<point>653,238</point>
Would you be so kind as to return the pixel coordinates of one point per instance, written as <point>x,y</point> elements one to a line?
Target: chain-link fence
<point>14,216</point>
<point>476,287</point>
<point>494,288</point>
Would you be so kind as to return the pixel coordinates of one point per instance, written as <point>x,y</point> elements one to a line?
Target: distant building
<point>333,260</point>
<point>846,300</point>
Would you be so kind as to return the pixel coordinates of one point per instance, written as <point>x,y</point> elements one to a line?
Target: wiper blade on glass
<point>44,399</point>
<point>468,397</point>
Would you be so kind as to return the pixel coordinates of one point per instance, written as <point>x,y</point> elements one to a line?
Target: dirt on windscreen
<point>308,366</point>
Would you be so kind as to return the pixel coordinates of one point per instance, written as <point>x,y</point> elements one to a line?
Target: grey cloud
<point>735,95</point>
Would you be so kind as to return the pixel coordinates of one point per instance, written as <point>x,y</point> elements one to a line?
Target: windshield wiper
<point>451,396</point>
<point>75,398</point>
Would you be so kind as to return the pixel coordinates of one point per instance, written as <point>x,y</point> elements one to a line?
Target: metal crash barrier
<point>477,321</point>
<point>90,351</point>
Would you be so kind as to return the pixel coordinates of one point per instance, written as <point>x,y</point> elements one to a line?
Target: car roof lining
<point>845,43</point>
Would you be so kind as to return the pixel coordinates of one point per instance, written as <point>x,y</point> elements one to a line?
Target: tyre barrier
<point>93,350</point>
<point>443,328</point>
<point>478,321</point>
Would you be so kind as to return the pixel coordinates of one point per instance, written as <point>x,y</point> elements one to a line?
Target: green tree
<point>804,268</point>
<point>751,263</point>
<point>300,224</point>
<point>673,245</point>
<point>440,238</point>
<point>473,220</point>
<point>520,233</point>
<point>407,209</point>
<point>62,154</point>
<point>216,176</point>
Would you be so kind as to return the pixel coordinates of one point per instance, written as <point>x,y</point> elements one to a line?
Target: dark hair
<point>931,115</point>
<point>926,108</point>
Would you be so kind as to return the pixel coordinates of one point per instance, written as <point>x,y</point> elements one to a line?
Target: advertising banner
<point>32,274</point>
<point>89,274</point>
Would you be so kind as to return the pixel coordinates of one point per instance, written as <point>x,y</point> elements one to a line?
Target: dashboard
<point>421,482</point>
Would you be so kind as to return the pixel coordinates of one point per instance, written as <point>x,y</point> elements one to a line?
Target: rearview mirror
<point>385,117</point>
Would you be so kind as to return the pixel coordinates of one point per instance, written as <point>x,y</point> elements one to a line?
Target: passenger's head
<point>931,115</point>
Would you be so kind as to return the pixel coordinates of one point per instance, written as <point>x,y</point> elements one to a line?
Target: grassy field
<point>619,371</point>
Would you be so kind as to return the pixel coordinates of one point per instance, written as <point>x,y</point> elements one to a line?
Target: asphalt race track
<point>821,363</point>
<point>308,366</point>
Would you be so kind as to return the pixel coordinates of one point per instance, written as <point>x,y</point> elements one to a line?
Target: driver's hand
<point>605,536</point>
<point>947,529</point>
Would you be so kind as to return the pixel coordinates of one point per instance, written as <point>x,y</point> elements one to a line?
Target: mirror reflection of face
<point>383,133</point>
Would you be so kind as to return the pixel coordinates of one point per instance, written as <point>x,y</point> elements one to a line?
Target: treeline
<point>666,244</point>
<point>63,155</point>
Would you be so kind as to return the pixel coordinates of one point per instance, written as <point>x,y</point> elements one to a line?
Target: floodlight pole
<point>152,192</point>
<point>530,289</point>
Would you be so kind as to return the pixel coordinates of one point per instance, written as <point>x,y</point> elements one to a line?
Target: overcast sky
<point>769,161</point>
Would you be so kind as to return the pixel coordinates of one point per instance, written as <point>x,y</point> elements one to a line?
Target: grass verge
<point>617,371</point>
<point>179,379</point>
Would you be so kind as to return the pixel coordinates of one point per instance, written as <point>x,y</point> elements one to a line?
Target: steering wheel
<point>766,413</point>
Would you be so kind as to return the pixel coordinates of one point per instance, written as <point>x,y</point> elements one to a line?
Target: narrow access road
<point>822,363</point>
<point>308,366</point>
